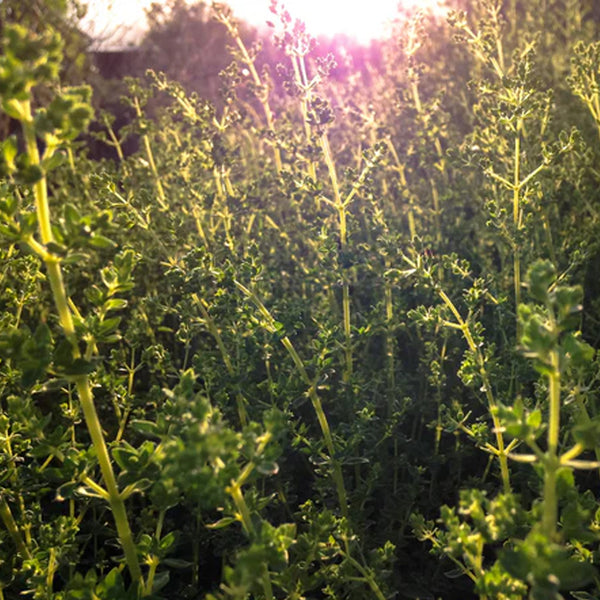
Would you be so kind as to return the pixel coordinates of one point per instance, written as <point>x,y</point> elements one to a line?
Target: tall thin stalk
<point>550,515</point>
<point>235,491</point>
<point>13,529</point>
<point>261,88</point>
<point>500,450</point>
<point>269,323</point>
<point>162,199</point>
<point>517,185</point>
<point>341,208</point>
<point>214,331</point>
<point>82,382</point>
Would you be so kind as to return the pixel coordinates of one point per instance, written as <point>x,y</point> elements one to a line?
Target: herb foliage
<point>309,340</point>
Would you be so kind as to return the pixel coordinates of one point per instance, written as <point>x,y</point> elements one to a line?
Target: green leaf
<point>9,153</point>
<point>160,581</point>
<point>29,174</point>
<point>177,563</point>
<point>576,351</point>
<point>80,366</point>
<point>102,242</point>
<point>167,541</point>
<point>72,216</point>
<point>146,427</point>
<point>267,468</point>
<point>54,161</point>
<point>565,481</point>
<point>115,304</point>
<point>454,573</point>
<point>108,326</point>
<point>221,523</point>
<point>534,419</point>
<point>540,276</point>
<point>9,205</point>
<point>588,434</point>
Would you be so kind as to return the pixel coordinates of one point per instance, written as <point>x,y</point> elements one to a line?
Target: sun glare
<point>119,22</point>
<point>363,20</point>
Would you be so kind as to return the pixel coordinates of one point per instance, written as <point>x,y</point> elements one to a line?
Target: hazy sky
<point>122,21</point>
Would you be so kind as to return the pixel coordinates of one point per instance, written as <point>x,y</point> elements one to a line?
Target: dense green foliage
<point>332,338</point>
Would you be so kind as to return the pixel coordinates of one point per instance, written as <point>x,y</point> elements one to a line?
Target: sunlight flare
<point>363,21</point>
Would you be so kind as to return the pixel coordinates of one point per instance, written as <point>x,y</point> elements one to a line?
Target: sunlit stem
<point>154,560</point>
<point>131,371</point>
<point>466,331</point>
<point>162,200</point>
<point>13,529</point>
<point>389,342</point>
<point>340,206</point>
<point>14,475</point>
<point>263,96</point>
<point>402,175</point>
<point>214,331</point>
<point>301,80</point>
<point>517,185</point>
<point>269,324</point>
<point>115,500</point>
<point>434,190</point>
<point>368,577</point>
<point>550,516</point>
<point>235,491</point>
<point>115,143</point>
<point>596,109</point>
<point>82,383</point>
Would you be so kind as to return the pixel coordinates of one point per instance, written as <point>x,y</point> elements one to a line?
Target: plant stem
<point>269,324</point>
<point>162,199</point>
<point>214,330</point>
<point>340,205</point>
<point>550,516</point>
<point>115,500</point>
<point>434,190</point>
<point>235,491</point>
<point>389,342</point>
<point>115,143</point>
<point>12,528</point>
<point>155,561</point>
<point>82,383</point>
<point>500,448</point>
<point>517,184</point>
<point>368,577</point>
<point>301,80</point>
<point>263,95</point>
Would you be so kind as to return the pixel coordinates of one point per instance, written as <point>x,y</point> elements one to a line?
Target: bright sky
<point>361,19</point>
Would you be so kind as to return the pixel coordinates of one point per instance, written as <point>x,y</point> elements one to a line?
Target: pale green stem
<point>13,529</point>
<point>235,491</point>
<point>115,500</point>
<point>214,331</point>
<point>304,101</point>
<point>434,191</point>
<point>516,223</point>
<point>51,570</point>
<point>312,393</point>
<point>162,199</point>
<point>389,342</point>
<point>368,577</point>
<point>263,98</point>
<point>500,449</point>
<point>550,516</point>
<point>341,208</point>
<point>114,140</point>
<point>155,560</point>
<point>82,382</point>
